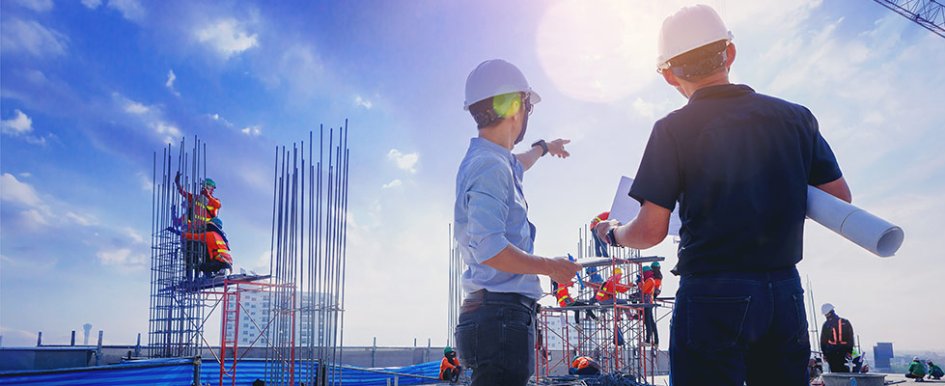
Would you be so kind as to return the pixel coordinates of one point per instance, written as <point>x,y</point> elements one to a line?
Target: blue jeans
<point>495,338</point>
<point>732,328</point>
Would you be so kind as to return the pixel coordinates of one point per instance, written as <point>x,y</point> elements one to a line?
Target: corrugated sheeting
<point>180,372</point>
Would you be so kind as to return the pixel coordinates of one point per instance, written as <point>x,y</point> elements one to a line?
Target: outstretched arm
<point>555,148</point>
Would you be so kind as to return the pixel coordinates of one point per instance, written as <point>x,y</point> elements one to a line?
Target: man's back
<point>740,166</point>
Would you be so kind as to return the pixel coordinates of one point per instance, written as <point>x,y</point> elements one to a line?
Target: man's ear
<point>670,78</point>
<point>730,53</point>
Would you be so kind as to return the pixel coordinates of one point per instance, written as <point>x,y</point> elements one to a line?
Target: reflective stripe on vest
<point>837,332</point>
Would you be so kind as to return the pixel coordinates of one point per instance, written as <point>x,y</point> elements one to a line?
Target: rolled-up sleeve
<point>487,198</point>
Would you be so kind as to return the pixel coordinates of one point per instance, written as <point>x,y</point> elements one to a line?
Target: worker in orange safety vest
<point>564,299</point>
<point>836,339</point>
<point>611,287</point>
<point>647,287</point>
<point>202,207</point>
<point>217,258</point>
<point>450,369</point>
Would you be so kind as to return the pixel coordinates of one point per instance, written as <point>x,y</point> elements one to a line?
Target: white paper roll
<point>857,225</point>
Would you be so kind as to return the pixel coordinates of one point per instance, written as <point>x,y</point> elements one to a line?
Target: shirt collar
<point>721,91</point>
<point>487,145</point>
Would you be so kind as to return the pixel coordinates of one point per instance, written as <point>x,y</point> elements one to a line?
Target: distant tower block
<point>86,329</point>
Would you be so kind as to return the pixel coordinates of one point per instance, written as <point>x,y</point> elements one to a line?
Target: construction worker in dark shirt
<point>836,340</point>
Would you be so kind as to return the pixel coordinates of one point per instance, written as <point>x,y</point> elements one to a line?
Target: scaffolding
<point>176,313</point>
<point>303,327</point>
<point>615,337</point>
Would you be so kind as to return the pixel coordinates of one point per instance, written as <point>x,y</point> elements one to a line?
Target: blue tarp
<point>180,372</point>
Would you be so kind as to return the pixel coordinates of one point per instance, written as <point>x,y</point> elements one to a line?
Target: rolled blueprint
<point>857,225</point>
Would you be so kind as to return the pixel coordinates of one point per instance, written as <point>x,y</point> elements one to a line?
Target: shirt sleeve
<point>823,166</point>
<point>487,207</point>
<point>658,179</point>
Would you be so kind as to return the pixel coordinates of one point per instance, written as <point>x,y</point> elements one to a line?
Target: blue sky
<point>91,89</point>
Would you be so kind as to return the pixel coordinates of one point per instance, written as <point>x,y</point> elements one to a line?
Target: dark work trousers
<point>738,327</point>
<point>495,338</point>
<point>837,361</point>
<point>649,324</point>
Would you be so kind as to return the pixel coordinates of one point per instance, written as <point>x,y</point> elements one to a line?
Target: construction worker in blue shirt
<point>495,335</point>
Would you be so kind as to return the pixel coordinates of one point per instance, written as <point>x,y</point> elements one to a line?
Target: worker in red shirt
<point>450,369</point>
<point>600,248</point>
<point>217,258</point>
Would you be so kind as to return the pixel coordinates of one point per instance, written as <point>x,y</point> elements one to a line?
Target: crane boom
<point>929,14</point>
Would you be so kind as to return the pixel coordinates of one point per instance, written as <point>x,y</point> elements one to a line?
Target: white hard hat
<point>496,77</point>
<point>826,308</point>
<point>689,28</point>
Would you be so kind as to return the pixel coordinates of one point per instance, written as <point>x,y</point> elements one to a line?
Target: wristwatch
<point>544,146</point>
<point>611,237</point>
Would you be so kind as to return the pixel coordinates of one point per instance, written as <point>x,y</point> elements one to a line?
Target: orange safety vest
<point>580,363</point>
<point>563,296</point>
<point>447,364</point>
<point>216,246</point>
<point>612,284</point>
<point>647,288</point>
<point>204,207</point>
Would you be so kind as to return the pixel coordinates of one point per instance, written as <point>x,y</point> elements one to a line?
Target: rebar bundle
<point>310,203</point>
<point>176,311</point>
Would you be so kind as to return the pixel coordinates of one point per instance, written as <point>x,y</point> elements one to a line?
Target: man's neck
<point>498,135</point>
<point>718,79</point>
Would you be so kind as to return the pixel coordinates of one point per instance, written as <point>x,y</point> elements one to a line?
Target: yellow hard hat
<point>618,271</point>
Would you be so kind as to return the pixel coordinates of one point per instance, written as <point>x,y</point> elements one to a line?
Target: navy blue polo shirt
<point>738,163</point>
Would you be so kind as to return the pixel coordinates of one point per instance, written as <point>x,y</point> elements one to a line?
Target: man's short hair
<point>490,111</point>
<point>701,62</point>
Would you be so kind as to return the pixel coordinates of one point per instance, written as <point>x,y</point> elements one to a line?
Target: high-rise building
<point>254,319</point>
<point>882,353</point>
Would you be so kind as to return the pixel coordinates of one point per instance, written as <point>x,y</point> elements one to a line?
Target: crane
<point>929,14</point>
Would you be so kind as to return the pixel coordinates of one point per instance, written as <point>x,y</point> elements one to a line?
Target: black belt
<point>505,297</point>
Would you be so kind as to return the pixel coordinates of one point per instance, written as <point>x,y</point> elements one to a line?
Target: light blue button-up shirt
<point>491,213</point>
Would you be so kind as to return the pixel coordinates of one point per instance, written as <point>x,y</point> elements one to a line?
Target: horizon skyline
<point>90,89</point>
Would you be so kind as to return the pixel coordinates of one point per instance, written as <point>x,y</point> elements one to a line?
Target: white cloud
<point>152,116</point>
<point>363,102</point>
<point>393,184</point>
<point>37,5</point>
<point>18,192</point>
<point>403,161</point>
<point>170,132</point>
<point>136,108</point>
<point>32,38</point>
<point>169,83</point>
<point>92,4</point>
<point>19,124</point>
<point>252,131</point>
<point>227,37</point>
<point>129,9</point>
<point>33,218</point>
<point>122,258</point>
<point>83,220</point>
<point>146,182</point>
<point>134,236</point>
